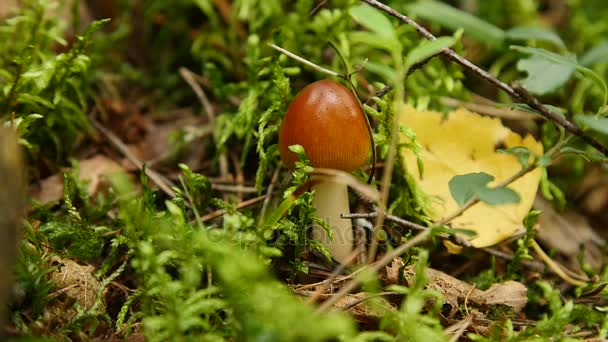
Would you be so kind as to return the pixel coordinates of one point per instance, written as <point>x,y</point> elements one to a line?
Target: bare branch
<point>305,61</point>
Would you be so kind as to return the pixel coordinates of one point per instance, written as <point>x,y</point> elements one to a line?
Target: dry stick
<point>368,297</point>
<point>304,61</point>
<point>161,181</point>
<point>517,93</point>
<point>269,190</point>
<point>239,189</point>
<point>239,178</point>
<point>327,282</point>
<point>191,79</point>
<point>317,7</point>
<point>555,267</point>
<point>465,243</point>
<point>491,110</point>
<point>462,327</point>
<point>241,205</point>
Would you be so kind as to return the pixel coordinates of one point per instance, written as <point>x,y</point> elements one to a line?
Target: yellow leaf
<point>463,142</point>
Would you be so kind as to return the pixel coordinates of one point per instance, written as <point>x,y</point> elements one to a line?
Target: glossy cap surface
<point>325,118</point>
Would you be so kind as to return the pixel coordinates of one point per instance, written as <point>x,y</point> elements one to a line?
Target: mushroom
<point>326,119</point>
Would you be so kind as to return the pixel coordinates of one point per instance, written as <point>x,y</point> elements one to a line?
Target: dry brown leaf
<point>365,309</point>
<point>95,170</point>
<point>463,142</point>
<point>7,7</point>
<point>510,293</point>
<point>567,232</point>
<point>457,292</point>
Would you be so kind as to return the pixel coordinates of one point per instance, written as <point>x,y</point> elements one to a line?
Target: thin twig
<point>503,113</point>
<point>188,76</point>
<point>191,78</point>
<point>368,297</point>
<point>327,282</point>
<point>317,7</point>
<point>461,326</point>
<point>465,243</point>
<point>517,93</point>
<point>304,61</point>
<point>269,190</point>
<point>239,177</point>
<point>239,189</point>
<point>241,205</point>
<point>555,267</point>
<point>161,181</point>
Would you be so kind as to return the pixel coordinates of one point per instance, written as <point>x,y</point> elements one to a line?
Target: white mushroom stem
<point>330,200</point>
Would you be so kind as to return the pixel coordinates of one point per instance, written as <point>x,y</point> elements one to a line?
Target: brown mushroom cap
<point>326,119</point>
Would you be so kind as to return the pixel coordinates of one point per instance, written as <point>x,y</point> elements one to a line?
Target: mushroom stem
<point>331,200</point>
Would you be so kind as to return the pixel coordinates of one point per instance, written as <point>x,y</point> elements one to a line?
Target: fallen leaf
<point>365,309</point>
<point>95,170</point>
<point>8,7</point>
<point>464,142</point>
<point>458,293</point>
<point>510,293</point>
<point>566,232</point>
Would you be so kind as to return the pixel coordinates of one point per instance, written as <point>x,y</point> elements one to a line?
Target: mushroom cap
<point>326,119</point>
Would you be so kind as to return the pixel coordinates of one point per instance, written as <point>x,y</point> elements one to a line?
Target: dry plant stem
<point>239,178</point>
<point>503,113</point>
<point>304,61</point>
<point>273,182</point>
<point>465,243</point>
<point>327,282</point>
<point>162,182</point>
<point>239,189</point>
<point>241,205</point>
<point>191,79</point>
<point>368,297</point>
<point>555,267</point>
<point>517,93</point>
<point>462,327</point>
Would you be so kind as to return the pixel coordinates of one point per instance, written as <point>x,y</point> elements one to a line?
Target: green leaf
<point>597,124</point>
<point>523,33</point>
<point>374,40</point>
<point>373,20</point>
<point>590,156</point>
<point>548,70</point>
<point>427,49</point>
<point>465,187</point>
<point>498,196</point>
<point>522,154</point>
<point>544,76</point>
<point>596,54</point>
<point>454,19</point>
